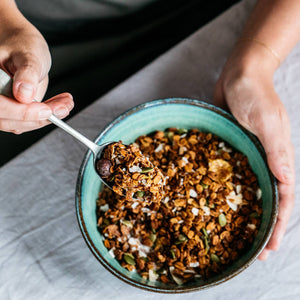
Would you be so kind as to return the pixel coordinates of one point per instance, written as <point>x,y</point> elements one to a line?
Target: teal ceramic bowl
<point>159,115</point>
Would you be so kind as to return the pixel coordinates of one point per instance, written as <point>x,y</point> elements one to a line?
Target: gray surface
<point>42,253</point>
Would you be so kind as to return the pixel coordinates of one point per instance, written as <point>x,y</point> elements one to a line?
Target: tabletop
<point>42,252</point>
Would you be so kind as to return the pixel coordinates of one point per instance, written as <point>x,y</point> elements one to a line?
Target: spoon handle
<point>6,90</point>
<point>61,124</point>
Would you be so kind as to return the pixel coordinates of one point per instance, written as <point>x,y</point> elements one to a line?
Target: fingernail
<point>61,112</point>
<point>44,114</point>
<point>70,106</point>
<point>26,90</point>
<point>287,173</point>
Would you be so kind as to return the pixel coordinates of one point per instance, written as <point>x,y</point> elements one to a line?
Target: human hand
<point>24,55</point>
<point>246,88</point>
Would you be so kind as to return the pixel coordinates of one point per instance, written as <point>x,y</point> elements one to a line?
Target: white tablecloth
<point>42,252</point>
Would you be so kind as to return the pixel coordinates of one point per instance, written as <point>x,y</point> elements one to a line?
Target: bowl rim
<point>145,286</point>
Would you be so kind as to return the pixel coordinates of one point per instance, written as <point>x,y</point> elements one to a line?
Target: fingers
<point>61,104</point>
<point>28,73</point>
<point>276,140</point>
<point>271,125</point>
<point>286,204</point>
<point>264,255</point>
<point>18,117</point>
<point>12,110</point>
<point>18,127</point>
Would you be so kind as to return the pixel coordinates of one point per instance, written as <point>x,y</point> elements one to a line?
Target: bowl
<point>159,115</point>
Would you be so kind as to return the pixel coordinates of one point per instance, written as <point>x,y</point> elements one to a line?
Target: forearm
<point>271,32</point>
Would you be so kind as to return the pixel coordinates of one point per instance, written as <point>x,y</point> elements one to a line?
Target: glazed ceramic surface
<point>159,115</point>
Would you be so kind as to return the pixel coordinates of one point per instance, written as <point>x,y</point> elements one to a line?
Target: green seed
<point>169,135</point>
<point>206,243</point>
<point>222,220</point>
<point>112,179</point>
<point>215,258</point>
<point>182,131</point>
<point>205,232</point>
<point>140,194</point>
<point>152,237</point>
<point>129,258</point>
<point>146,170</point>
<point>181,239</point>
<point>161,271</point>
<point>127,223</point>
<point>254,215</point>
<point>106,222</point>
<point>212,205</point>
<point>158,245</point>
<point>173,254</point>
<point>205,186</point>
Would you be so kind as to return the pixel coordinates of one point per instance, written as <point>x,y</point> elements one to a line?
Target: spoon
<point>6,90</point>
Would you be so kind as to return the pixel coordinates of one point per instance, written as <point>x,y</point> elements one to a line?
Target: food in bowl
<point>130,173</point>
<point>208,217</point>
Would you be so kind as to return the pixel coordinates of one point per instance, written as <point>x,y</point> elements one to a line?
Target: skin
<point>245,86</point>
<point>24,54</point>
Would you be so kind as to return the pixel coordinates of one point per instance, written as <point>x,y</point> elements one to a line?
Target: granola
<point>130,173</point>
<point>207,218</point>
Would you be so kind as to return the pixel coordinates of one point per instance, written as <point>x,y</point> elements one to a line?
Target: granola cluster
<point>130,173</point>
<point>207,218</point>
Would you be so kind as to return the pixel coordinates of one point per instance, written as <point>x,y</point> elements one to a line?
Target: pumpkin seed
<point>205,186</point>
<point>140,194</point>
<point>181,239</point>
<point>222,220</point>
<point>215,258</point>
<point>152,237</point>
<point>254,215</point>
<point>169,135</point>
<point>173,254</point>
<point>127,223</point>
<point>161,271</point>
<point>129,258</point>
<point>182,131</point>
<point>146,170</point>
<point>106,222</point>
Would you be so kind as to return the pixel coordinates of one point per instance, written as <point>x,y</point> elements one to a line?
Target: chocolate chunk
<point>103,167</point>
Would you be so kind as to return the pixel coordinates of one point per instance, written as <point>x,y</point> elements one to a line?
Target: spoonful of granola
<point>128,172</point>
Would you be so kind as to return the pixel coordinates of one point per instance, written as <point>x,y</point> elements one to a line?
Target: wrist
<point>251,56</point>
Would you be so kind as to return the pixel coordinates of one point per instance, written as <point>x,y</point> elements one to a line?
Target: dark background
<point>83,68</point>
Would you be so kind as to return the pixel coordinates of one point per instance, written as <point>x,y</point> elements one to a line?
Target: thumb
<point>28,73</point>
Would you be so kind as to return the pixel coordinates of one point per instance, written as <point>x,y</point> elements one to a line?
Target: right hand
<point>246,88</point>
<point>24,54</point>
